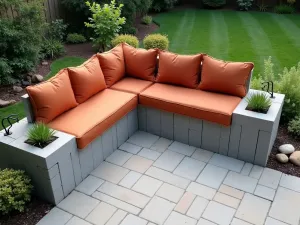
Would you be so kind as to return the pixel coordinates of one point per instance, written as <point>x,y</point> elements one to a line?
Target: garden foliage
<point>127,38</point>
<point>106,22</point>
<point>51,49</point>
<point>244,5</point>
<point>56,30</point>
<point>147,20</point>
<point>21,38</point>
<point>75,38</point>
<point>259,102</point>
<point>162,5</point>
<point>294,127</point>
<point>40,135</point>
<point>214,3</point>
<point>15,190</point>
<point>284,9</point>
<point>156,41</point>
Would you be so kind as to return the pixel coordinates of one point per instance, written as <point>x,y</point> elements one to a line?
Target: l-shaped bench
<point>96,107</point>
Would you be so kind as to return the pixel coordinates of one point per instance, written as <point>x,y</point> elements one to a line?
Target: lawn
<point>234,35</point>
<point>55,67</point>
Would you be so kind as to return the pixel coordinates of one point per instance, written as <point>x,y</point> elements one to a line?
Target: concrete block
<point>97,149</point>
<point>224,140</point>
<point>76,166</point>
<point>263,148</point>
<point>86,161</point>
<point>181,128</point>
<point>248,143</point>
<point>167,125</point>
<point>122,131</point>
<point>66,174</point>
<point>115,137</point>
<point>195,124</point>
<point>195,138</point>
<point>234,141</point>
<point>142,117</point>
<point>211,133</point>
<point>28,108</point>
<point>153,121</point>
<point>132,119</point>
<point>107,142</point>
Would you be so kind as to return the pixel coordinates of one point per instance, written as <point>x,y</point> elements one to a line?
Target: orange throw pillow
<point>181,70</point>
<point>140,63</point>
<point>112,65</point>
<point>225,77</point>
<point>87,79</point>
<point>51,98</point>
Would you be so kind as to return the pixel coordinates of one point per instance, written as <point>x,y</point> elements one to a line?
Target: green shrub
<point>268,75</point>
<point>288,84</point>
<point>156,41</point>
<point>56,30</point>
<point>259,102</point>
<point>15,190</point>
<point>214,3</point>
<point>162,5</point>
<point>40,135</point>
<point>75,38</point>
<point>51,49</point>
<point>294,127</point>
<point>284,9</point>
<point>244,5</point>
<point>21,38</point>
<point>129,39</point>
<point>106,22</point>
<point>147,20</point>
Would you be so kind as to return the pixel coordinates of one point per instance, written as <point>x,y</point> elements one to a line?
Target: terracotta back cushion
<point>225,77</point>
<point>51,98</point>
<point>112,65</point>
<point>181,70</point>
<point>87,79</point>
<point>139,62</point>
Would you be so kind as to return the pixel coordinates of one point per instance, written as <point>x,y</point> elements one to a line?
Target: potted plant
<point>40,135</point>
<point>259,102</point>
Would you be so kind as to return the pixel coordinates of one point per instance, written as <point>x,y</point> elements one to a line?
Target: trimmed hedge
<point>156,41</point>
<point>127,38</point>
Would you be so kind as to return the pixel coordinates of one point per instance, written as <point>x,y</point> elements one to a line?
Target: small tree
<point>106,22</point>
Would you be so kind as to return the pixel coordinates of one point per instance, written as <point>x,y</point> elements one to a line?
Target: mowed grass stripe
<point>200,35</point>
<point>286,52</point>
<point>260,41</point>
<point>219,43</point>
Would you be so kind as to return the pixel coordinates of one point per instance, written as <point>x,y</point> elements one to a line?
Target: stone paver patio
<point>152,180</point>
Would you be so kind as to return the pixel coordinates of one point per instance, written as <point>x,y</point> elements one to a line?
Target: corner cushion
<point>213,107</point>
<point>93,117</point>
<point>131,85</point>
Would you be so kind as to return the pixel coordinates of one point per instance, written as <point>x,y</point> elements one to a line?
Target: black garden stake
<point>10,117</point>
<point>266,87</point>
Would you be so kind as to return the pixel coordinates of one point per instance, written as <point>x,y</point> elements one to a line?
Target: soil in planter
<point>34,212</point>
<point>43,145</point>
<point>258,111</point>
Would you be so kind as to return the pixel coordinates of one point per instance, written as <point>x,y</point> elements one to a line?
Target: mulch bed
<point>35,211</point>
<point>283,137</point>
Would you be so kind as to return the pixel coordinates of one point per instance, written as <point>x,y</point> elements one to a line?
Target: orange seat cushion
<point>140,63</point>
<point>112,65</point>
<point>225,77</point>
<point>177,69</point>
<point>51,98</point>
<point>87,79</point>
<point>131,85</point>
<point>93,117</point>
<point>195,103</point>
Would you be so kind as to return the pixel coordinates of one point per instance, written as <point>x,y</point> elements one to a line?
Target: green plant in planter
<point>294,127</point>
<point>127,38</point>
<point>40,135</point>
<point>15,190</point>
<point>259,102</point>
<point>147,20</point>
<point>156,41</point>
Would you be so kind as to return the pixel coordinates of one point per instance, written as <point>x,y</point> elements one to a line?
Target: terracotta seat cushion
<point>93,117</point>
<point>131,85</point>
<point>195,103</point>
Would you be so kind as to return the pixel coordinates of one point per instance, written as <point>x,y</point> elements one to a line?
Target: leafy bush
<point>259,102</point>
<point>129,39</point>
<point>294,127</point>
<point>284,9</point>
<point>214,3</point>
<point>288,84</point>
<point>21,39</point>
<point>156,41</point>
<point>75,38</point>
<point>147,20</point>
<point>106,22</point>
<point>56,30</point>
<point>162,5</point>
<point>52,48</point>
<point>244,5</point>
<point>40,135</point>
<point>268,75</point>
<point>15,190</point>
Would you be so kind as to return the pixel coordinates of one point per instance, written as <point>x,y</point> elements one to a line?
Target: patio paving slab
<point>264,192</point>
<point>117,218</point>
<point>223,216</point>
<point>133,220</point>
<point>231,191</point>
<point>271,221</point>
<point>147,185</point>
<point>227,162</point>
<point>253,209</point>
<point>165,163</point>
<point>197,208</point>
<point>205,222</point>
<point>78,204</point>
<point>185,202</point>
<point>130,179</point>
<point>55,216</point>
<point>285,207</point>
<point>89,185</point>
<point>170,192</point>
<point>182,148</point>
<point>236,221</point>
<point>131,148</point>
<point>76,221</point>
<point>290,182</point>
<point>118,157</point>
<point>179,219</point>
<point>256,172</point>
<point>138,164</point>
<point>240,182</point>
<point>161,145</point>
<point>189,168</point>
<point>201,190</point>
<point>202,155</point>
<point>270,178</point>
<point>149,154</point>
<point>212,176</point>
<point>247,169</point>
<point>143,139</point>
<point>227,200</point>
<point>101,214</point>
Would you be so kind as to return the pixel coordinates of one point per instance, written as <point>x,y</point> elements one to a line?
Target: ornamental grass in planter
<point>40,135</point>
<point>259,102</point>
